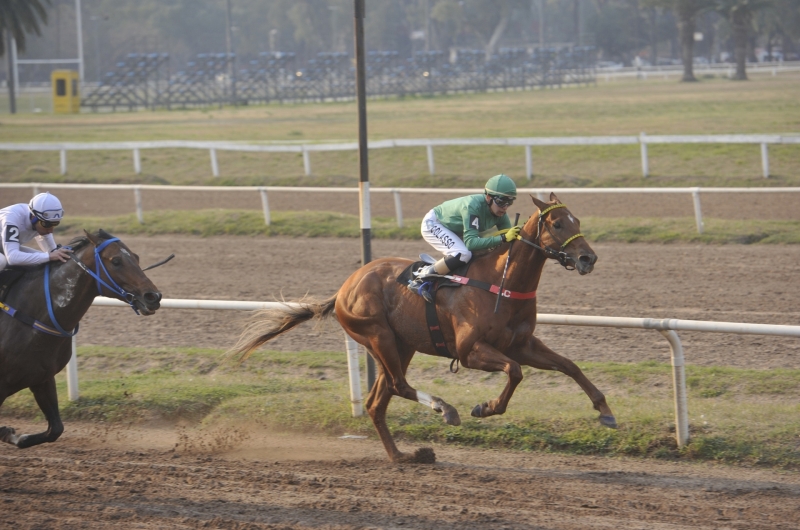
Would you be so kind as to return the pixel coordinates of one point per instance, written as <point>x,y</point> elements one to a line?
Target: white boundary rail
<point>398,203</point>
<point>764,140</point>
<point>667,327</point>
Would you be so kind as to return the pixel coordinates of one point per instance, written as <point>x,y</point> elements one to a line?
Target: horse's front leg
<point>484,357</point>
<point>536,354</point>
<point>47,399</point>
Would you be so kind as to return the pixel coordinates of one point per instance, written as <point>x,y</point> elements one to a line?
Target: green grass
<point>717,106</point>
<point>328,224</point>
<point>744,417</point>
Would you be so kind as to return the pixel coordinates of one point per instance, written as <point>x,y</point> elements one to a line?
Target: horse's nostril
<point>589,259</point>
<point>152,297</point>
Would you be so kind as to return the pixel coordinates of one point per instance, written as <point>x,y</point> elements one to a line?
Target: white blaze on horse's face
<point>125,252</point>
<point>572,219</point>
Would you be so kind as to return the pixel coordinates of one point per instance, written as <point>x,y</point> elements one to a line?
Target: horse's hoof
<point>423,455</point>
<point>450,415</point>
<point>608,421</point>
<point>477,412</point>
<point>6,434</point>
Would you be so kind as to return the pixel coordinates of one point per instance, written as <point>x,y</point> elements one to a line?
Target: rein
<point>558,255</point>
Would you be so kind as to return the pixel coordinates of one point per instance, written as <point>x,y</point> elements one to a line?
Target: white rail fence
<point>764,140</point>
<point>667,327</point>
<point>541,193</point>
<point>666,71</point>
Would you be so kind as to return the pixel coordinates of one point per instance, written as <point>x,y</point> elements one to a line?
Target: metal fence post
<point>137,162</point>
<point>72,372</point>
<point>679,385</point>
<point>306,162</point>
<point>698,212</point>
<point>265,206</point>
<point>528,163</point>
<point>398,208</point>
<point>355,376</point>
<point>63,161</point>
<point>645,161</point>
<point>431,165</point>
<point>137,197</point>
<point>214,165</point>
<point>765,160</point>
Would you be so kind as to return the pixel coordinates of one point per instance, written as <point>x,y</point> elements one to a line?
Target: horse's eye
<point>557,225</point>
<point>116,260</point>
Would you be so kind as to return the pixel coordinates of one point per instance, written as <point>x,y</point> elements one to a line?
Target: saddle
<point>431,318</point>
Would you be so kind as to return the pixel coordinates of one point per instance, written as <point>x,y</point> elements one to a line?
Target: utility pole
<point>229,45</point>
<point>10,81</point>
<point>363,157</point>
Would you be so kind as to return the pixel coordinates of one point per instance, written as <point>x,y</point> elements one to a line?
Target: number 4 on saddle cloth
<point>456,279</point>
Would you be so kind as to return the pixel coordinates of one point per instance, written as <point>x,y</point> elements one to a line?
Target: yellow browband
<point>551,208</point>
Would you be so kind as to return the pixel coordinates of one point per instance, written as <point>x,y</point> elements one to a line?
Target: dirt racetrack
<point>131,477</point>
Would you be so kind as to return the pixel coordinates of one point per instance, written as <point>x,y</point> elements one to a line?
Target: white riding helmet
<point>46,207</point>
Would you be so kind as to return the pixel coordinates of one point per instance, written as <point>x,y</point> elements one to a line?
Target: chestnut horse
<point>389,320</point>
<point>45,302</point>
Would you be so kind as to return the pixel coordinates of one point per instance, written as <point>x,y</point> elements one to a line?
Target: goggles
<point>503,202</point>
<point>48,218</point>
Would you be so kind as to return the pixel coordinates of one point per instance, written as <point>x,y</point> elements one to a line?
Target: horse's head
<point>122,266</point>
<point>558,232</point>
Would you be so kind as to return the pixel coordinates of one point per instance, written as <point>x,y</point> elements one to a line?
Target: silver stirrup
<point>427,258</point>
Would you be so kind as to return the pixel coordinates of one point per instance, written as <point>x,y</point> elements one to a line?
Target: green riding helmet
<point>501,185</point>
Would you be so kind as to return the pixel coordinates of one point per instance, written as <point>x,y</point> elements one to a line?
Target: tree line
<point>622,31</point>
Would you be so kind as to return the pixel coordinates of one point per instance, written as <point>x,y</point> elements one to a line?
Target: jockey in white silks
<point>19,223</point>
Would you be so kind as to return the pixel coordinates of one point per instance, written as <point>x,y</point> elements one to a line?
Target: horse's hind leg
<point>378,401</point>
<point>538,355</point>
<point>47,399</point>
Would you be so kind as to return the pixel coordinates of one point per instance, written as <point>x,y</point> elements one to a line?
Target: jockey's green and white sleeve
<point>467,217</point>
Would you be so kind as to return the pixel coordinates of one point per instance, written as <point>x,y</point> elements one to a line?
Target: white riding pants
<point>442,238</point>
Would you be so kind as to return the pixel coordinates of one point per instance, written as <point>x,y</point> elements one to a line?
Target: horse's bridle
<point>120,293</point>
<point>558,255</point>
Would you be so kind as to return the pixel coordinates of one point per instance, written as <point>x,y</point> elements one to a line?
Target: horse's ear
<point>539,204</point>
<point>553,198</point>
<point>92,238</point>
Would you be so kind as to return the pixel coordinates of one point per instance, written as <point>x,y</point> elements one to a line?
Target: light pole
<point>273,35</point>
<point>94,19</point>
<point>334,13</point>
<point>363,157</point>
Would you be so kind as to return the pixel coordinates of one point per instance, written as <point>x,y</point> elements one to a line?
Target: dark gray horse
<point>42,310</point>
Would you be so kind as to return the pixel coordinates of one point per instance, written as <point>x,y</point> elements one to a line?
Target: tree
<point>740,14</point>
<point>686,11</point>
<point>18,17</point>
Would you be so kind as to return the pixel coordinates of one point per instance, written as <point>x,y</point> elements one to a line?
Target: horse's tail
<point>266,324</point>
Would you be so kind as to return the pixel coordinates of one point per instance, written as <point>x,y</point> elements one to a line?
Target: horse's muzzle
<point>148,303</point>
<point>585,263</point>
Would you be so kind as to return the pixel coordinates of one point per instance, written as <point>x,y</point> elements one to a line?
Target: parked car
<point>609,65</point>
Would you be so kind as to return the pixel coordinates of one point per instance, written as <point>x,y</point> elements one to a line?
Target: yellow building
<point>66,91</point>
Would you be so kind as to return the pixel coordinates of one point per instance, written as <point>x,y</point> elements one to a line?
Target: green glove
<point>512,234</point>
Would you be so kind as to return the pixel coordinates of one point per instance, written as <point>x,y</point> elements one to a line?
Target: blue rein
<point>121,293</point>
